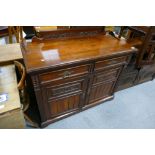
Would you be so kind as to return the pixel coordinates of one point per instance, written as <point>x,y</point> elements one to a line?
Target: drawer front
<point>65,97</point>
<point>64,73</point>
<point>106,75</point>
<point>110,62</point>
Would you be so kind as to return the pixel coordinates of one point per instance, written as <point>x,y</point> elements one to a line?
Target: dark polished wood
<point>65,32</point>
<point>56,53</point>
<point>147,50</point>
<point>71,75</point>
<point>134,31</point>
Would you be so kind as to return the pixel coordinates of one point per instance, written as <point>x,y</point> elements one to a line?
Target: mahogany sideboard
<point>71,75</point>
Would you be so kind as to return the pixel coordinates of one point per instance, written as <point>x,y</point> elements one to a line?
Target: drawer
<point>106,75</point>
<point>110,62</point>
<point>64,73</point>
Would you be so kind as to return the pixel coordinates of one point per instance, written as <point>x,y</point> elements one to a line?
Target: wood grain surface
<point>10,52</point>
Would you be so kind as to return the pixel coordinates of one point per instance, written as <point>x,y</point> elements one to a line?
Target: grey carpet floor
<point>132,108</point>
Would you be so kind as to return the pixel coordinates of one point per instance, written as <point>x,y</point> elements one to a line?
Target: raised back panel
<point>72,32</point>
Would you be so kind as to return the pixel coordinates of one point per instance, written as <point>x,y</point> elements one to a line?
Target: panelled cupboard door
<point>64,96</point>
<point>103,83</point>
<point>65,104</point>
<point>101,91</point>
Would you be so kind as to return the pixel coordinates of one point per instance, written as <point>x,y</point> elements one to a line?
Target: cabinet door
<point>101,91</point>
<point>65,97</point>
<point>63,90</point>
<point>66,104</point>
<point>102,86</point>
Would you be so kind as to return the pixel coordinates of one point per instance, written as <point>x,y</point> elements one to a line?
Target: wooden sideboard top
<point>42,55</point>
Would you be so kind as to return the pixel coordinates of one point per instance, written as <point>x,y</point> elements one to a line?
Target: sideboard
<point>71,75</point>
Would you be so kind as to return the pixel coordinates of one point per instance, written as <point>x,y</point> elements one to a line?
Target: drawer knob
<point>112,62</point>
<point>66,74</point>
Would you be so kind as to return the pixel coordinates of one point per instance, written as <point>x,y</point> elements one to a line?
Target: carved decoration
<point>35,81</point>
<point>66,89</point>
<point>69,34</point>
